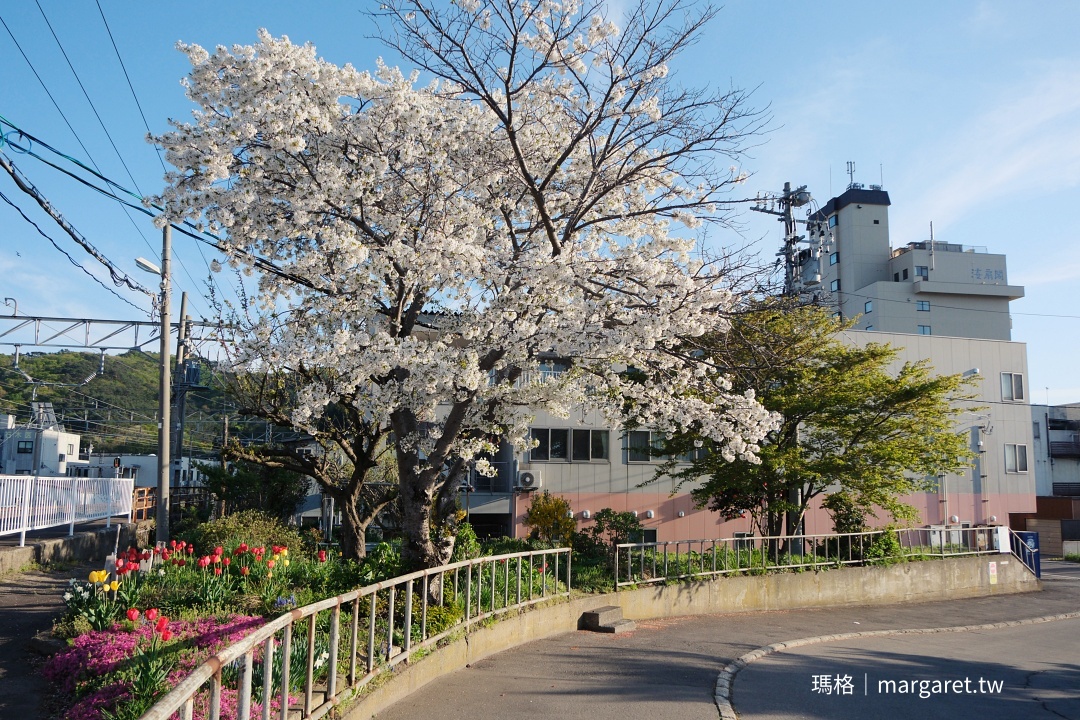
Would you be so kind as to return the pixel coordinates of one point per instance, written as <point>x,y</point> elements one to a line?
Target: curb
<point>726,680</point>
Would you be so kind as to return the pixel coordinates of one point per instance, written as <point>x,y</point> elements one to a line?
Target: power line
<point>86,95</point>
<point>63,252</point>
<point>215,242</point>
<point>128,78</point>
<point>72,129</point>
<point>119,277</point>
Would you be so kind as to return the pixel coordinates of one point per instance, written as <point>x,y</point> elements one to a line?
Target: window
<point>896,277</point>
<point>698,453</point>
<point>924,330</point>
<point>922,305</point>
<point>835,285</point>
<point>637,446</point>
<point>868,306</point>
<point>834,258</point>
<point>877,222</point>
<point>869,328</point>
<point>1012,386</point>
<point>589,445</point>
<point>579,445</point>
<point>71,449</point>
<point>1035,430</point>
<point>833,219</point>
<point>922,271</point>
<point>1015,458</point>
<point>905,273</point>
<point>25,447</point>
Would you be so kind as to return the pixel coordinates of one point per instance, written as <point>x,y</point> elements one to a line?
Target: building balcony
<point>1064,449</point>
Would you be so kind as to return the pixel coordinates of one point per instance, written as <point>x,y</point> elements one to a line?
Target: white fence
<point>28,502</point>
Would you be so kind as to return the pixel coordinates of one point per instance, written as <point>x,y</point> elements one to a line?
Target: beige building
<point>945,303</point>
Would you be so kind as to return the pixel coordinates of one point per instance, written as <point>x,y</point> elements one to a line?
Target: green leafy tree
<point>244,485</point>
<point>550,519</point>
<point>851,423</point>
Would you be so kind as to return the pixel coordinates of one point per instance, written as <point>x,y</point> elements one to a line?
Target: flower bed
<point>142,623</point>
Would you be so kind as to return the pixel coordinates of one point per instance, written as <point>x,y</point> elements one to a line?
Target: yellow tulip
<point>284,551</point>
<point>113,585</point>
<point>285,562</point>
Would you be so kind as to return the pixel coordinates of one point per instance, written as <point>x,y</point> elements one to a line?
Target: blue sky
<point>967,112</point>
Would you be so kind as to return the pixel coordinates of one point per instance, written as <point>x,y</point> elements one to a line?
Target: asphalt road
<point>1030,671</point>
<point>668,668</point>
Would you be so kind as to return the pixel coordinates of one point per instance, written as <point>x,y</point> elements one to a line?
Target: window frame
<point>24,447</point>
<point>868,306</point>
<point>924,330</point>
<point>922,306</point>
<point>571,456</point>
<point>922,271</point>
<point>834,258</point>
<point>1014,381</point>
<point>1019,458</point>
<point>834,286</point>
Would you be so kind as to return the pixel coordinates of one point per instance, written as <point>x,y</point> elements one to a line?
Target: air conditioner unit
<point>530,480</point>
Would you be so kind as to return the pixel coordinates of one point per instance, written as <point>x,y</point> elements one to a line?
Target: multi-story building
<point>41,447</point>
<point>921,288</point>
<point>938,301</point>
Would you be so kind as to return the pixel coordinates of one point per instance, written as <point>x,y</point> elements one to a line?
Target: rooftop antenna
<point>931,244</point>
<point>851,173</point>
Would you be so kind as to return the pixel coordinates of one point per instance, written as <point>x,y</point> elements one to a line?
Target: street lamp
<point>164,385</point>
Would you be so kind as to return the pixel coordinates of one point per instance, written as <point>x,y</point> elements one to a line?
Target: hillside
<point>117,409</point>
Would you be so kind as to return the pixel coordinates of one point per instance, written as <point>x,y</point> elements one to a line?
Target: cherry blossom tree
<point>536,197</point>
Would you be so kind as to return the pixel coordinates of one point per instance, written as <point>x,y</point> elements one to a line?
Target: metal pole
<point>164,399</point>
<point>176,419</point>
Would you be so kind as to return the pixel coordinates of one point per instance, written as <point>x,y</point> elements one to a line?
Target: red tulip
<point>245,570</point>
<point>166,635</point>
<point>152,614</point>
<point>162,624</point>
<point>226,561</point>
<point>132,614</point>
<point>119,563</point>
<point>322,556</point>
<point>269,564</point>
<point>218,550</point>
<point>217,571</point>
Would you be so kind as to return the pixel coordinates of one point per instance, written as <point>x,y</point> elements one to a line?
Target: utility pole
<point>164,391</point>
<point>180,387</point>
<point>782,206</point>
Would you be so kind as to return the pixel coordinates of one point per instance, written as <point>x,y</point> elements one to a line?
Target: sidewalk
<point>668,668</point>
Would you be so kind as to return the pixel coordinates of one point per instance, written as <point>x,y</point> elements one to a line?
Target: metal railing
<point>314,653</point>
<point>29,502</point>
<point>502,482</point>
<point>656,562</point>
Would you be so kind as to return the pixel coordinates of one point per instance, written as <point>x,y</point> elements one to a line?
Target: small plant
<point>95,600</point>
<point>550,518</point>
<point>884,549</point>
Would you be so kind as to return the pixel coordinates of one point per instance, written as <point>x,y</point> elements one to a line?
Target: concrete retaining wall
<point>84,546</point>
<point>910,582</point>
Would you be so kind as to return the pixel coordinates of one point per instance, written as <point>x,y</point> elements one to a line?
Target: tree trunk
<point>353,527</point>
<point>419,550</point>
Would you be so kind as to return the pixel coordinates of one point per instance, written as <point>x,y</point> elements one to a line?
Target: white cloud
<point>1026,143</point>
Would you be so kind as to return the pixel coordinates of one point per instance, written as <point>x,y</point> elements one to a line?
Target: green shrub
<point>466,546</point>
<point>250,526</point>
<point>549,518</point>
<point>884,549</point>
